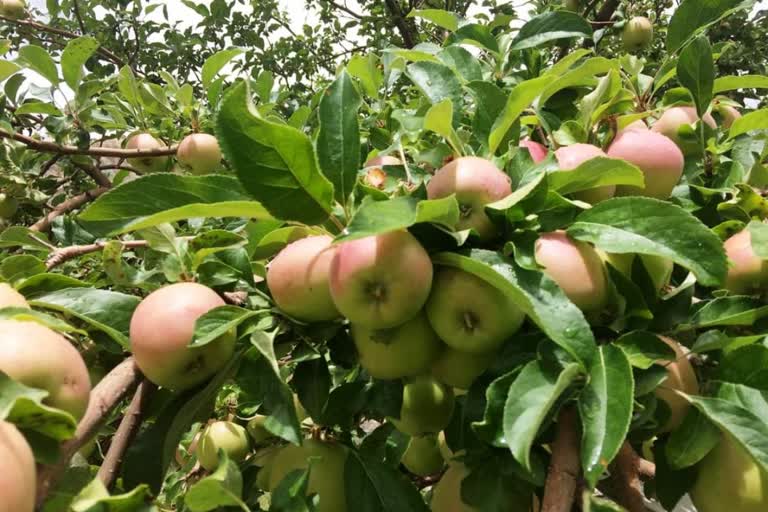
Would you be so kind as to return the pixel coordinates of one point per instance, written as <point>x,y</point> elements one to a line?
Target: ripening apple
<point>40,358</point>
<point>537,150</point>
<point>200,153</point>
<point>570,157</point>
<point>406,350</point>
<point>460,369</point>
<point>729,480</point>
<point>222,435</point>
<point>680,377</point>
<point>423,457</point>
<point>476,183</point>
<point>17,471</point>
<point>161,329</point>
<point>326,477</point>
<point>446,495</point>
<point>381,281</point>
<point>470,314</point>
<point>147,163</point>
<point>728,114</point>
<point>8,206</point>
<point>298,278</point>
<point>427,406</point>
<point>10,298</point>
<point>659,269</point>
<point>660,160</point>
<point>672,119</point>
<point>637,34</point>
<point>747,272</point>
<point>15,9</point>
<point>576,267</point>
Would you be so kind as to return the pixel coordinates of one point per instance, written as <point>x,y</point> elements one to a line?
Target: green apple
<point>200,153</point>
<point>17,471</point>
<point>423,456</point>
<point>16,9</point>
<point>637,34</point>
<point>446,495</point>
<point>427,406</point>
<point>222,435</point>
<point>8,206</point>
<point>459,369</point>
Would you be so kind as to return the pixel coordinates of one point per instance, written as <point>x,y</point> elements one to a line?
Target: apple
<point>659,269</point>
<point>381,161</point>
<point>470,314</point>
<point>18,475</point>
<point>162,328</point>
<point>222,435</point>
<point>147,163</point>
<point>637,34</point>
<point>10,298</point>
<point>729,480</point>
<point>423,457</point>
<point>259,433</point>
<point>680,377</point>
<point>747,273</point>
<point>381,281</point>
<point>728,115</point>
<point>375,175</point>
<point>673,118</point>
<point>576,267</point>
<point>8,206</point>
<point>476,183</point>
<point>298,278</point>
<point>200,153</point>
<point>446,495</point>
<point>639,124</point>
<point>570,157</point>
<point>265,459</point>
<point>406,350</point>
<point>40,358</point>
<point>571,5</point>
<point>459,369</point>
<point>660,160</point>
<point>326,476</point>
<point>427,406</point>
<point>15,9</point>
<point>537,150</point>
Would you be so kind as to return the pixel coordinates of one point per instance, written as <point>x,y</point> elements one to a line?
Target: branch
<point>67,206</point>
<point>51,147</point>
<point>345,9</point>
<point>79,18</point>
<point>125,433</point>
<point>107,394</point>
<point>402,24</point>
<point>606,11</point>
<point>624,484</point>
<point>564,469</point>
<point>95,173</point>
<point>59,256</point>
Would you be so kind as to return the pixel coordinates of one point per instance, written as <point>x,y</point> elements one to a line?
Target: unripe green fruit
<point>265,460</point>
<point>8,206</point>
<point>40,358</point>
<point>427,407</point>
<point>326,478</point>
<point>576,267</point>
<point>570,157</point>
<point>571,5</point>
<point>680,377</point>
<point>161,329</point>
<point>15,9</point>
<point>660,160</point>
<point>470,314</point>
<point>728,115</point>
<point>476,183</point>
<point>459,369</point>
<point>147,163</point>
<point>381,281</point>
<point>446,496</point>
<point>298,278</point>
<point>659,269</point>
<point>200,153</point>
<point>672,119</point>
<point>10,298</point>
<point>403,351</point>
<point>423,457</point>
<point>222,435</point>
<point>638,33</point>
<point>256,429</point>
<point>17,471</point>
<point>729,480</point>
<point>747,272</point>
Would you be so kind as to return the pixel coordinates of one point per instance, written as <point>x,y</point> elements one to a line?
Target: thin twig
<point>67,206</point>
<point>94,172</point>
<point>345,9</point>
<point>624,484</point>
<point>76,7</point>
<point>564,469</point>
<point>51,147</point>
<point>393,7</point>
<point>61,255</point>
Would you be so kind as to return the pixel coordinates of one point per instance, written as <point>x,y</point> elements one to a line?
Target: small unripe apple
<point>570,157</point>
<point>637,34</point>
<point>161,329</point>
<point>571,5</point>
<point>10,298</point>
<point>659,269</point>
<point>476,183</point>
<point>672,119</point>
<point>15,9</point>
<point>381,281</point>
<point>17,471</point>
<point>460,369</point>
<point>728,115</point>
<point>747,272</point>
<point>576,267</point>
<point>8,206</point>
<point>729,480</point>
<point>406,350</point>
<point>40,358</point>
<point>326,477</point>
<point>423,457</point>
<point>660,160</point>
<point>537,150</point>
<point>298,278</point>
<point>222,435</point>
<point>200,152</point>
<point>680,377</point>
<point>427,407</point>
<point>147,163</point>
<point>470,314</point>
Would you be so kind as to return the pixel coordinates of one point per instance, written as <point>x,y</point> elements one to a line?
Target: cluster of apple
<point>199,153</point>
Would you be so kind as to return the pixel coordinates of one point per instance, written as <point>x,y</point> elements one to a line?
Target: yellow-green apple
<point>637,34</point>
<point>537,150</point>
<point>423,457</point>
<point>427,406</point>
<point>8,206</point>
<point>658,268</point>
<point>728,114</point>
<point>222,435</point>
<point>145,141</point>
<point>200,153</point>
<point>265,459</point>
<point>15,9</point>
<point>673,118</point>
<point>747,273</point>
<point>17,471</point>
<point>660,160</point>
<point>10,298</point>
<point>570,157</point>
<point>460,369</point>
<point>571,5</point>
<point>680,377</point>
<point>446,495</point>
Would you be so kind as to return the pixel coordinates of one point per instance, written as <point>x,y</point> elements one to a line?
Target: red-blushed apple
<point>576,267</point>
<point>672,119</point>
<point>660,160</point>
<point>423,457</point>
<point>405,350</point>
<point>298,278</point>
<point>659,269</point>
<point>728,114</point>
<point>680,377</point>
<point>17,471</point>
<point>40,358</point>
<point>376,175</point>
<point>147,163</point>
<point>427,406</point>
<point>637,34</point>
<point>8,206</point>
<point>162,327</point>
<point>459,369</point>
<point>570,157</point>
<point>326,476</point>
<point>381,281</point>
<point>200,153</point>
<point>222,435</point>
<point>15,9</point>
<point>537,150</point>
<point>10,298</point>
<point>470,314</point>
<point>476,183</point>
<point>747,272</point>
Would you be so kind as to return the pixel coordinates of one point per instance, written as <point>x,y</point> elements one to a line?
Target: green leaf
<point>338,138</point>
<point>584,74</point>
<point>479,35</point>
<point>126,84</point>
<point>365,69</point>
<point>23,238</point>
<point>490,101</point>
<point>530,400</point>
<point>520,98</point>
<point>377,487</point>
<point>649,226</point>
<point>38,107</point>
<point>734,82</point>
<point>596,172</point>
<point>444,19</point>
<point>30,315</point>
<point>95,498</point>
<point>491,428</point>
<point>696,72</point>
<point>757,120</point>
<point>644,349</point>
<point>20,267</point>
<point>8,68</point>
<point>439,119</point>
<point>37,59</point>
<point>550,26</point>
<point>731,310</point>
<point>164,197</point>
<point>693,15</point>
<point>219,321</point>
<point>23,405</point>
<point>275,162</point>
<point>746,365</point>
<point>222,488</point>
<point>75,54</point>
<point>691,441</point>
<point>605,407</point>
<point>463,62</point>
<point>437,82</point>
<point>216,62</point>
